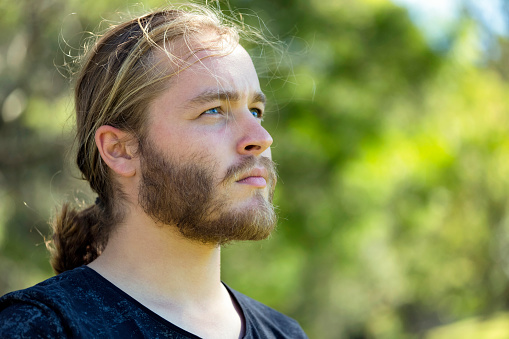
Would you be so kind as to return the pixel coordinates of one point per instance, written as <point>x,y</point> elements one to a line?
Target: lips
<point>256,177</point>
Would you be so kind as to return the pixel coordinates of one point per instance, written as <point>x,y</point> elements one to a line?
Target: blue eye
<point>212,111</point>
<point>256,113</point>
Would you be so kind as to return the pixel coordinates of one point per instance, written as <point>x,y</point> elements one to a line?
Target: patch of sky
<point>439,21</point>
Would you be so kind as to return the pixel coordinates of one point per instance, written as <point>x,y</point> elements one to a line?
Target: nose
<point>254,139</point>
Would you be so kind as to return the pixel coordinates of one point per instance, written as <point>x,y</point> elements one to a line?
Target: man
<point>169,136</point>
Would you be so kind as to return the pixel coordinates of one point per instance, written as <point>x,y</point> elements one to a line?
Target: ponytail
<point>78,237</point>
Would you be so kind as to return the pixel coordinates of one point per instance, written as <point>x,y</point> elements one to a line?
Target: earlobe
<point>115,151</point>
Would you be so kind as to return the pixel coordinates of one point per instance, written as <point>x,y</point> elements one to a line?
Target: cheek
<point>212,137</point>
<point>213,142</point>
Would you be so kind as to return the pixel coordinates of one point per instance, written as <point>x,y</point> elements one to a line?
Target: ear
<point>115,151</point>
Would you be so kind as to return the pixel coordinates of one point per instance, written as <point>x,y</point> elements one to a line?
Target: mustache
<point>235,172</point>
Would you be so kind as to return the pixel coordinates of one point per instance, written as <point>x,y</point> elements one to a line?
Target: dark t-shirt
<point>82,304</point>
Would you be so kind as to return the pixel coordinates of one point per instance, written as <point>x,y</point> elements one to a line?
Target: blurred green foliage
<point>393,178</point>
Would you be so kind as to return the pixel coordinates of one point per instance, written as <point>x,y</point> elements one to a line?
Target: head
<point>157,84</point>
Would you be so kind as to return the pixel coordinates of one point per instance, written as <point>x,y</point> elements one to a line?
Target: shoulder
<point>29,318</point>
<point>58,290</point>
<point>41,310</point>
<point>265,322</point>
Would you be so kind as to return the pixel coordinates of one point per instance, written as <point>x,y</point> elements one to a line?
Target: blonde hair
<point>118,79</point>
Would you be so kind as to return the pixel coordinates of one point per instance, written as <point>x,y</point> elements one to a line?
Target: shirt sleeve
<point>30,320</point>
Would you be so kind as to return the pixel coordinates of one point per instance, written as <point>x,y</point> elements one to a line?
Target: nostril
<point>251,147</point>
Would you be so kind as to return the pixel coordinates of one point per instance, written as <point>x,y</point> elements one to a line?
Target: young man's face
<point>205,163</point>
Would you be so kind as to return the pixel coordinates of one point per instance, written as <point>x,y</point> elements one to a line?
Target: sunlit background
<point>391,128</point>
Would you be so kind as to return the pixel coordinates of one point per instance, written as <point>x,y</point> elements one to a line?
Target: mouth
<point>257,177</point>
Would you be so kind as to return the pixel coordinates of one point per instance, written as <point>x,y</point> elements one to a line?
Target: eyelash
<point>259,113</point>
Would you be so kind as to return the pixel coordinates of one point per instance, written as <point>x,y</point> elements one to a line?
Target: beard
<point>187,195</point>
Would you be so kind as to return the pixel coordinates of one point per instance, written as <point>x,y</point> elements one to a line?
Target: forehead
<point>233,68</point>
<point>227,70</point>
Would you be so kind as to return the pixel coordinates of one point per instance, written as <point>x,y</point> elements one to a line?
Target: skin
<point>176,277</point>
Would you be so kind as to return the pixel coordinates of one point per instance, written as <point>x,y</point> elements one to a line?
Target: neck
<point>175,277</point>
<point>152,261</point>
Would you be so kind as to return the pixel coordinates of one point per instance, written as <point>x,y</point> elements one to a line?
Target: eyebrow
<point>223,95</point>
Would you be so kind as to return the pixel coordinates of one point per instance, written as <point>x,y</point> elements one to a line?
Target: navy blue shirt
<point>82,304</point>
